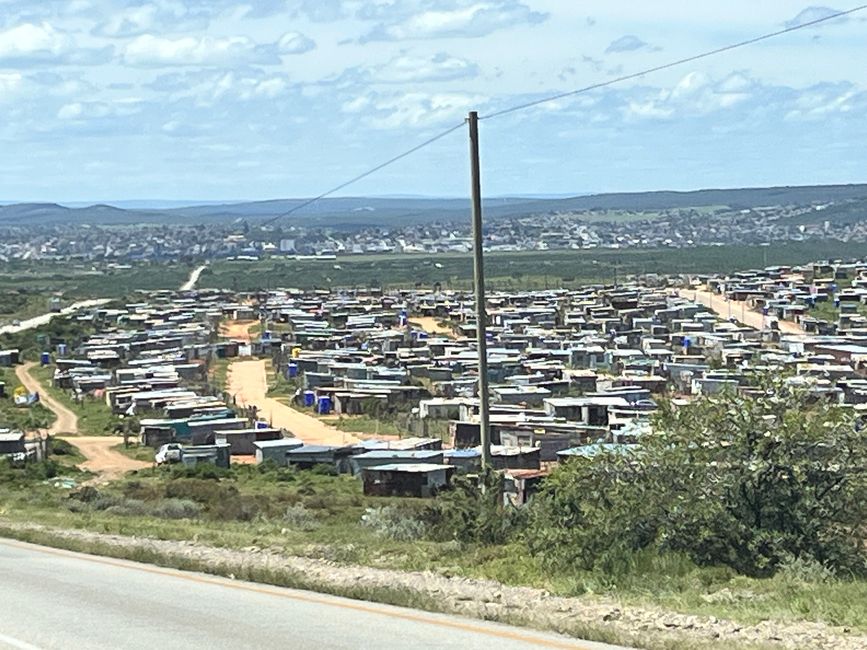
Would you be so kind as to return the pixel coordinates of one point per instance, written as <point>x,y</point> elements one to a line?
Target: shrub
<point>298,516</point>
<point>391,522</point>
<point>176,509</point>
<point>473,511</point>
<point>744,482</point>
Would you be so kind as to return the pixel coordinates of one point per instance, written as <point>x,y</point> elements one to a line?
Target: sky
<point>108,100</point>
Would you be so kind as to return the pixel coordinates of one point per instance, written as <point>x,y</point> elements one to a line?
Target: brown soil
<point>247,381</point>
<point>432,326</point>
<point>237,330</point>
<point>108,464</point>
<point>67,421</point>
<point>738,309</point>
<point>103,461</point>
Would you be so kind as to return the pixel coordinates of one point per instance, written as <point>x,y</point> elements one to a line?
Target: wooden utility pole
<point>479,278</point>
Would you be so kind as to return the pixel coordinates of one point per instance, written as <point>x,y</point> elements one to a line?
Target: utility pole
<point>479,278</point>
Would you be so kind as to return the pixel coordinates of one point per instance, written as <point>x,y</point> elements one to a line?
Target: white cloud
<point>9,82</point>
<point>398,110</point>
<point>408,68</point>
<point>32,41</point>
<point>154,51</point>
<point>472,20</point>
<point>295,43</point>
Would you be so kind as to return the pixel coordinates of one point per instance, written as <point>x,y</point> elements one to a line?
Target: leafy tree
<point>742,481</point>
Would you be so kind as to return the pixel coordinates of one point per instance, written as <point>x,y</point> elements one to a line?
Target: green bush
<point>744,482</point>
<point>299,517</point>
<point>473,511</point>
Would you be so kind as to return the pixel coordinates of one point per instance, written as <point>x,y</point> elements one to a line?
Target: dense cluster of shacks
<point>571,372</point>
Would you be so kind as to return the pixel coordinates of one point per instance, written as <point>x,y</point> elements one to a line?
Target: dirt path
<point>432,326</point>
<point>67,421</point>
<point>107,463</point>
<point>237,330</point>
<point>190,284</point>
<point>248,382</point>
<point>737,309</point>
<point>100,458</point>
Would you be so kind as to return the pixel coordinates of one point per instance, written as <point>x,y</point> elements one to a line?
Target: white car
<point>169,453</point>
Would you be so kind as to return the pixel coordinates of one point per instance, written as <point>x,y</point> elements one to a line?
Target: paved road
<point>190,284</point>
<point>43,319</point>
<point>57,599</point>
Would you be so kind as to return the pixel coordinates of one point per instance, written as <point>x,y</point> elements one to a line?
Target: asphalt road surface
<point>57,599</point>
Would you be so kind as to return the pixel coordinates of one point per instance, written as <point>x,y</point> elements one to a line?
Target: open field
<point>514,270</point>
<point>85,280</point>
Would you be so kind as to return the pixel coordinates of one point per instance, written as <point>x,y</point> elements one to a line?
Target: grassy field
<point>514,270</point>
<point>94,416</point>
<point>315,515</point>
<point>83,280</point>
<point>15,417</point>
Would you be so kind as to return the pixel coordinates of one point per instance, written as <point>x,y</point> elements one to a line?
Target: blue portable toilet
<point>45,358</point>
<point>266,335</point>
<point>403,317</point>
<point>262,425</point>
<point>324,406</point>
<point>309,398</point>
<point>292,370</point>
<point>62,349</point>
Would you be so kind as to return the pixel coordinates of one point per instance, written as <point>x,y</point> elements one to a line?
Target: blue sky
<point>214,99</point>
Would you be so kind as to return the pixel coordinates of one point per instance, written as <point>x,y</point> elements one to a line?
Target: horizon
<point>287,99</point>
<point>151,204</point>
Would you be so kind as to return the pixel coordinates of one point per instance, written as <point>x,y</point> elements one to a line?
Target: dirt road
<point>237,330</point>
<point>432,326</point>
<point>247,381</point>
<point>67,421</point>
<point>103,461</point>
<point>737,309</point>
<point>190,284</point>
<point>107,463</point>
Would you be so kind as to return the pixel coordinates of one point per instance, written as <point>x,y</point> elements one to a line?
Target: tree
<point>742,481</point>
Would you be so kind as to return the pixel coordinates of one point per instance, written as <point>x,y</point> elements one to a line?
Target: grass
<point>136,451</point>
<point>249,506</point>
<point>515,270</point>
<point>27,418</point>
<point>86,279</point>
<point>94,416</point>
<point>218,373</point>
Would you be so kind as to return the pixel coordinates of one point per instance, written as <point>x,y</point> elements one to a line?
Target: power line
<point>370,171</point>
<point>672,64</point>
<point>551,98</point>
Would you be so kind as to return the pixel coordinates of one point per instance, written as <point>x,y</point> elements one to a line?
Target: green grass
<point>218,373</point>
<point>94,416</point>
<point>86,280</point>
<point>15,417</point>
<point>516,270</point>
<point>136,451</point>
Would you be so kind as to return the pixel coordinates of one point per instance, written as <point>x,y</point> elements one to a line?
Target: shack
<point>275,450</point>
<point>416,480</point>
<point>394,457</point>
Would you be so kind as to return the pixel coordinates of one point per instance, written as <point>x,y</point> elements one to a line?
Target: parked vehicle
<point>169,453</point>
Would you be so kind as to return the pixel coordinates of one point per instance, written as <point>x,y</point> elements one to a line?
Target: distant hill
<point>356,212</point>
